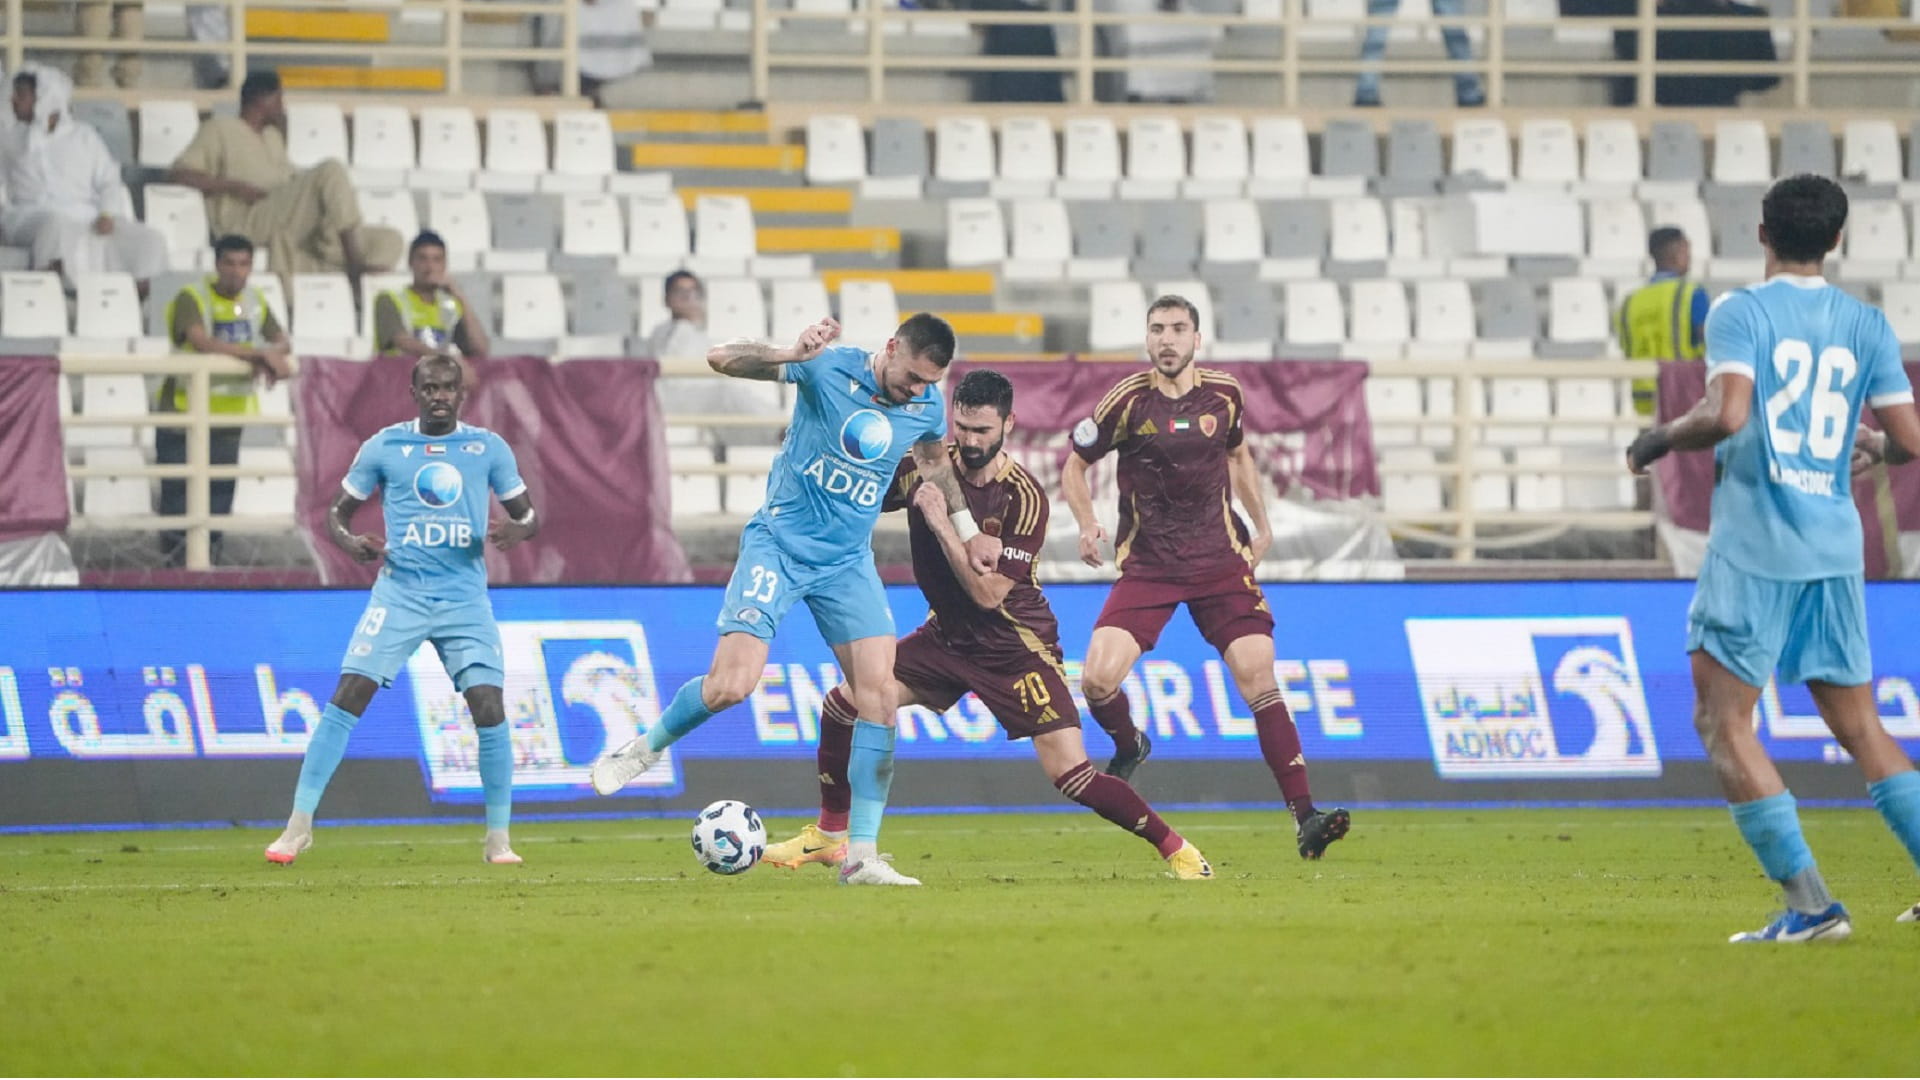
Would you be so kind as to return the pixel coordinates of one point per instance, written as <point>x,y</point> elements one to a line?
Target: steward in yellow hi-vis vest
<point>1666,318</point>
<point>430,315</point>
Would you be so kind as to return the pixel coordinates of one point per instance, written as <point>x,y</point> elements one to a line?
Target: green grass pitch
<point>1511,942</point>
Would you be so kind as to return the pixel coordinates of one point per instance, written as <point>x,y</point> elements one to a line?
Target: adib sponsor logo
<point>1533,697</point>
<point>866,436</point>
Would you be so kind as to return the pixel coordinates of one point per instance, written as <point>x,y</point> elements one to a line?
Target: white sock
<point>833,834</point>
<point>859,851</point>
<point>497,840</point>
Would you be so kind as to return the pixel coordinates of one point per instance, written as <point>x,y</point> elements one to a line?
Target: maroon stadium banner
<point>1306,419</point>
<point>588,435</point>
<point>33,495</point>
<point>1686,479</point>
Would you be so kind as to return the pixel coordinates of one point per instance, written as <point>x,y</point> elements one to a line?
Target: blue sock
<point>1898,800</point>
<point>496,774</point>
<point>325,748</point>
<point>870,775</point>
<point>685,712</point>
<point>1771,827</point>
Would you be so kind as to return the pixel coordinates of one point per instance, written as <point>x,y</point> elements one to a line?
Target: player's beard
<point>975,460</point>
<point>1171,366</point>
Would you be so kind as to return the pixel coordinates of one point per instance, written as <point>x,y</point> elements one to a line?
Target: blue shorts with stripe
<point>397,621</point>
<point>848,601</point>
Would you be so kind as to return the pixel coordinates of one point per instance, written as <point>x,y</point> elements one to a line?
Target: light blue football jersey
<point>1783,498</point>
<point>839,456</point>
<point>434,498</point>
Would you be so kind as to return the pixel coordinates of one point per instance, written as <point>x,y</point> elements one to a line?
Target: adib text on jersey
<point>839,456</point>
<point>435,497</point>
<point>1783,502</point>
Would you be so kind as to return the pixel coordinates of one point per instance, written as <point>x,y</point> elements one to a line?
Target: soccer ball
<point>728,837</point>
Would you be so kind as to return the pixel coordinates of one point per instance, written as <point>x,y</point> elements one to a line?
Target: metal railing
<point>451,53</point>
<point>1080,58</point>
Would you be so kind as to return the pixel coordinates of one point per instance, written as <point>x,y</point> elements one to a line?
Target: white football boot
<point>873,871</point>
<point>616,770</point>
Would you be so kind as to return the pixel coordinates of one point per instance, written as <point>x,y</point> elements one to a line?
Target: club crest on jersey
<point>867,435</point>
<point>991,526</point>
<point>1209,425</point>
<point>438,484</point>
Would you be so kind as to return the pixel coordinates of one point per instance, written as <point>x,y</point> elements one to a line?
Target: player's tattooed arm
<point>364,548</point>
<point>936,470</point>
<point>987,588</point>
<point>752,360</point>
<point>1715,417</point>
<point>522,524</point>
<point>1245,474</point>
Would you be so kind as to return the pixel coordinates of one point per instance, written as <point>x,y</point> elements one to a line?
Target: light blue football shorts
<point>848,602</point>
<point>1810,631</point>
<point>397,621</point>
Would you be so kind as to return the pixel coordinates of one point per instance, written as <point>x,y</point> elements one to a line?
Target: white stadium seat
<point>106,306</point>
<point>1090,160</point>
<point>582,149</point>
<point>1549,152</point>
<point>1042,241</point>
<point>736,309</point>
<point>1870,151</point>
<point>449,148</point>
<point>316,132</point>
<point>1482,148</point>
<point>963,150</point>
<point>590,224</point>
<point>1382,324</point>
<point>1315,315</point>
<point>1029,157</point>
<point>1221,163</point>
<point>532,308</point>
<point>463,221</point>
<point>869,313</point>
<point>322,311</point>
<point>516,152</point>
<point>1281,165</point>
<point>1742,153</point>
<point>1613,158</point>
<point>1156,158</point>
<point>797,304</point>
<point>395,209</point>
<point>166,129</point>
<point>32,305</point>
<point>976,233</point>
<point>180,213</point>
<point>836,149</point>
<point>1117,311</point>
<point>658,237</point>
<point>723,228</point>
<point>383,146</point>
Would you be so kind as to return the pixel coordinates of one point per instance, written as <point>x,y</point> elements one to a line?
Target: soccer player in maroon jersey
<point>990,632</point>
<point>1183,459</point>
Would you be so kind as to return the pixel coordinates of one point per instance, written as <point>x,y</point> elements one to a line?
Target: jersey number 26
<point>1827,426</point>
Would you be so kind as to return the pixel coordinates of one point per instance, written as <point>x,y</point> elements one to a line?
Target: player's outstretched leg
<point>1064,756</point>
<point>496,770</point>
<point>825,842</point>
<point>1250,659</point>
<point>325,748</point>
<point>1763,809</point>
<point>1854,718</point>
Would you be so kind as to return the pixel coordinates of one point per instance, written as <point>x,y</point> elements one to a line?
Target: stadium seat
<point>516,152</point>
<point>1876,240</point>
<point>797,305</point>
<point>1541,492</point>
<point>1281,162</point>
<point>1395,407</point>
<point>526,229</point>
<point>1584,411</point>
<point>1549,152</point>
<point>976,233</point>
<point>1490,492</point>
<point>869,313</point>
<point>1616,239</point>
<point>106,307</point>
<point>1442,320</point>
<point>1232,234</point>
<point>1156,158</point>
<point>166,127</point>
<point>963,150</point>
<point>462,220</point>
<point>1220,162</point>
<point>1900,300</point>
<point>113,496</point>
<point>1382,323</point>
<point>395,209</point>
<point>383,152</point>
<point>1169,238</point>
<point>692,494</point>
<point>1090,166</point>
<point>1104,240</point>
<point>1117,313</point>
<point>1414,161</point>
<point>1029,158</point>
<point>1298,234</point>
<point>33,305</point>
<point>180,213</point>
<point>1315,320</point>
<point>1742,154</point>
<point>603,306</point>
<point>1870,151</point>
<point>582,151</point>
<point>1403,492</point>
<point>1482,148</point>
<point>1612,164</point>
<point>591,225</point>
<point>745,492</point>
<point>316,132</point>
<point>736,309</point>
<point>323,315</point>
<point>658,237</point>
<point>1674,154</point>
<point>264,496</point>
<point>836,149</point>
<point>372,285</point>
<point>1579,323</point>
<point>724,238</point>
<point>1358,239</point>
<point>1248,323</point>
<point>899,163</point>
<point>112,395</point>
<point>1509,320</point>
<point>1525,400</point>
<point>1041,241</point>
<point>1349,156</point>
<point>449,149</point>
<point>114,125</point>
<point>532,309</point>
<point>1687,214</point>
<point>1806,146</point>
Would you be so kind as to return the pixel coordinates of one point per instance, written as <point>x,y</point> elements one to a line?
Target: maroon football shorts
<point>1224,608</point>
<point>1027,693</point>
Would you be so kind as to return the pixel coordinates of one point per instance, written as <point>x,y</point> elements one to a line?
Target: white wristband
<point>524,521</point>
<point>963,524</point>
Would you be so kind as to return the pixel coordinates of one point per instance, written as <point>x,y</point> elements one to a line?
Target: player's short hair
<point>428,360</point>
<point>666,288</point>
<point>1803,216</point>
<point>1171,300</point>
<point>27,79</point>
<point>259,84</point>
<point>1661,241</point>
<point>427,238</point>
<point>230,243</point>
<point>929,336</point>
<point>983,387</point>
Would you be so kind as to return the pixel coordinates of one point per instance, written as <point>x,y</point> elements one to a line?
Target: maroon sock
<point>836,747</point>
<point>1280,745</point>
<point>1114,799</point>
<point>1115,717</point>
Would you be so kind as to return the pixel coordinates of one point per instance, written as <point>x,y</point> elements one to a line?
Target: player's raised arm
<point>936,470</point>
<point>753,360</point>
<point>987,588</point>
<point>364,548</point>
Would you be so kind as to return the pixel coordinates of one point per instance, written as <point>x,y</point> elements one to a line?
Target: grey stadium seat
<point>1297,228</point>
<point>1349,148</point>
<point>1101,230</point>
<point>899,147</point>
<point>1736,227</point>
<point>1806,146</point>
<point>1913,152</point>
<point>1509,311</point>
<point>110,119</point>
<point>1675,152</point>
<point>1169,238</point>
<point>1414,165</point>
<point>524,221</point>
<point>603,304</point>
<point>483,292</point>
<point>1246,314</point>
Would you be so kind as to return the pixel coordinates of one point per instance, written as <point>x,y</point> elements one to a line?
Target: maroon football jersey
<point>1176,499</point>
<point>1011,506</point>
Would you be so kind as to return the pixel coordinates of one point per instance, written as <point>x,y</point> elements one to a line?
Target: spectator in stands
<point>430,316</point>
<point>1665,319</point>
<point>685,334</point>
<point>225,315</point>
<point>612,42</point>
<point>1466,87</point>
<point>65,198</point>
<point>308,221</point>
<point>126,21</point>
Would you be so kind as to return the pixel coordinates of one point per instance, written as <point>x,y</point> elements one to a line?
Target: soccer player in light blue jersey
<point>435,476</point>
<point>856,414</point>
<point>1790,365</point>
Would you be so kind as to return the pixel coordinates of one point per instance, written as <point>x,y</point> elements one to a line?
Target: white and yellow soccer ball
<point>729,837</point>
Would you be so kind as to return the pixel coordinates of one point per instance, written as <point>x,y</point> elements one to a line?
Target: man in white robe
<point>64,196</point>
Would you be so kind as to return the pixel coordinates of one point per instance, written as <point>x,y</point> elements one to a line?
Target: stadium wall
<point>157,707</point>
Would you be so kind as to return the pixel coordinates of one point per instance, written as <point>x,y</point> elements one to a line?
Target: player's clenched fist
<point>1090,542</point>
<point>816,337</point>
<point>928,499</point>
